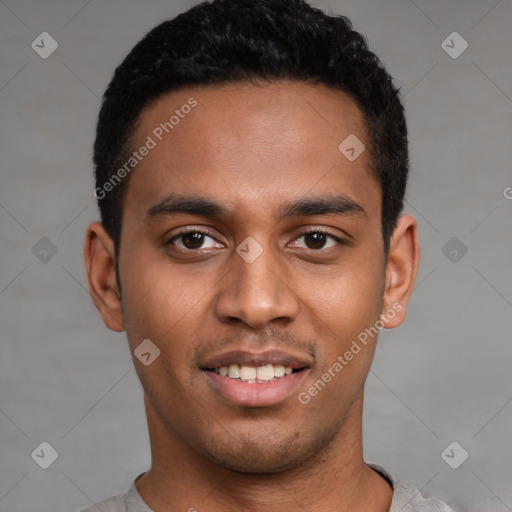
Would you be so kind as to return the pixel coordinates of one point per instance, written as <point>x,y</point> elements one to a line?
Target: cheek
<point>157,299</point>
<point>160,306</point>
<point>347,302</point>
<point>347,312</point>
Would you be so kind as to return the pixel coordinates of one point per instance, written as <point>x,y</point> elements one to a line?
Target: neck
<point>336,479</point>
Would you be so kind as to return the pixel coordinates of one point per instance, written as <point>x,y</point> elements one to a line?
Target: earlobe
<point>401,271</point>
<point>99,258</point>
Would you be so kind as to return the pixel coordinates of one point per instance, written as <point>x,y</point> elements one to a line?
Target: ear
<point>401,270</point>
<point>99,258</point>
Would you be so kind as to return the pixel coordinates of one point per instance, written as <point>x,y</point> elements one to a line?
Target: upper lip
<point>247,358</point>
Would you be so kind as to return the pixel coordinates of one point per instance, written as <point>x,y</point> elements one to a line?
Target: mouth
<point>255,380</point>
<point>254,374</point>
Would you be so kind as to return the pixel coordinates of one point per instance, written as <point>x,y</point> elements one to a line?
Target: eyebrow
<point>175,204</point>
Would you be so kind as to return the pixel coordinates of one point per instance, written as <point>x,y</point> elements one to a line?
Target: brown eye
<point>193,240</point>
<point>316,240</point>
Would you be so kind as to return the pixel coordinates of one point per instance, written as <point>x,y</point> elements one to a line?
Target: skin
<point>254,149</point>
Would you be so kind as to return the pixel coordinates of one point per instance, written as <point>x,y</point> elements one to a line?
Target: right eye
<point>193,239</point>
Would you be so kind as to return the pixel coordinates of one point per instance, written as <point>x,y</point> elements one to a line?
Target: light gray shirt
<point>406,498</point>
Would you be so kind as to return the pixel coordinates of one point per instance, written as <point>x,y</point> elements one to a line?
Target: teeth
<point>251,374</point>
<point>279,371</point>
<point>233,371</point>
<point>248,372</point>
<point>265,372</point>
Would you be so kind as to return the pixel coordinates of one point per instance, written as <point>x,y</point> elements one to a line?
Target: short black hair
<point>230,41</point>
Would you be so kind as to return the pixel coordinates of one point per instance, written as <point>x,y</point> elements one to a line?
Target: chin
<point>255,463</point>
<point>266,456</point>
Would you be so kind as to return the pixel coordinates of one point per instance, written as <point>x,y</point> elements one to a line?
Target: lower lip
<point>255,394</point>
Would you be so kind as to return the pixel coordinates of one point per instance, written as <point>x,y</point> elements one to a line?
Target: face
<point>251,243</point>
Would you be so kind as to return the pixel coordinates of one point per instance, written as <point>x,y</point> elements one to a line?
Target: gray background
<point>444,376</point>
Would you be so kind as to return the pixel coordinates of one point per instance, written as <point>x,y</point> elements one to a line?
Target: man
<point>251,162</point>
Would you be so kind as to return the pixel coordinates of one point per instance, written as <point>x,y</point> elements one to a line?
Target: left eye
<point>318,240</point>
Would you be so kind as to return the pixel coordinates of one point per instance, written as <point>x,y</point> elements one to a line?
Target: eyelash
<point>205,231</point>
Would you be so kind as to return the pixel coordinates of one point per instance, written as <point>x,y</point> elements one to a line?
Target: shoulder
<point>407,498</point>
<point>113,504</point>
<point>129,502</point>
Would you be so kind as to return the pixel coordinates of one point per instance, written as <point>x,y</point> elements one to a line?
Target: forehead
<point>248,145</point>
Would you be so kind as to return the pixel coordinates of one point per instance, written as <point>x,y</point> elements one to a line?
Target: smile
<point>252,374</point>
<point>252,379</point>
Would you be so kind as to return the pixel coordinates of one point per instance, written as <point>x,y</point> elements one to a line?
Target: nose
<point>257,293</point>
